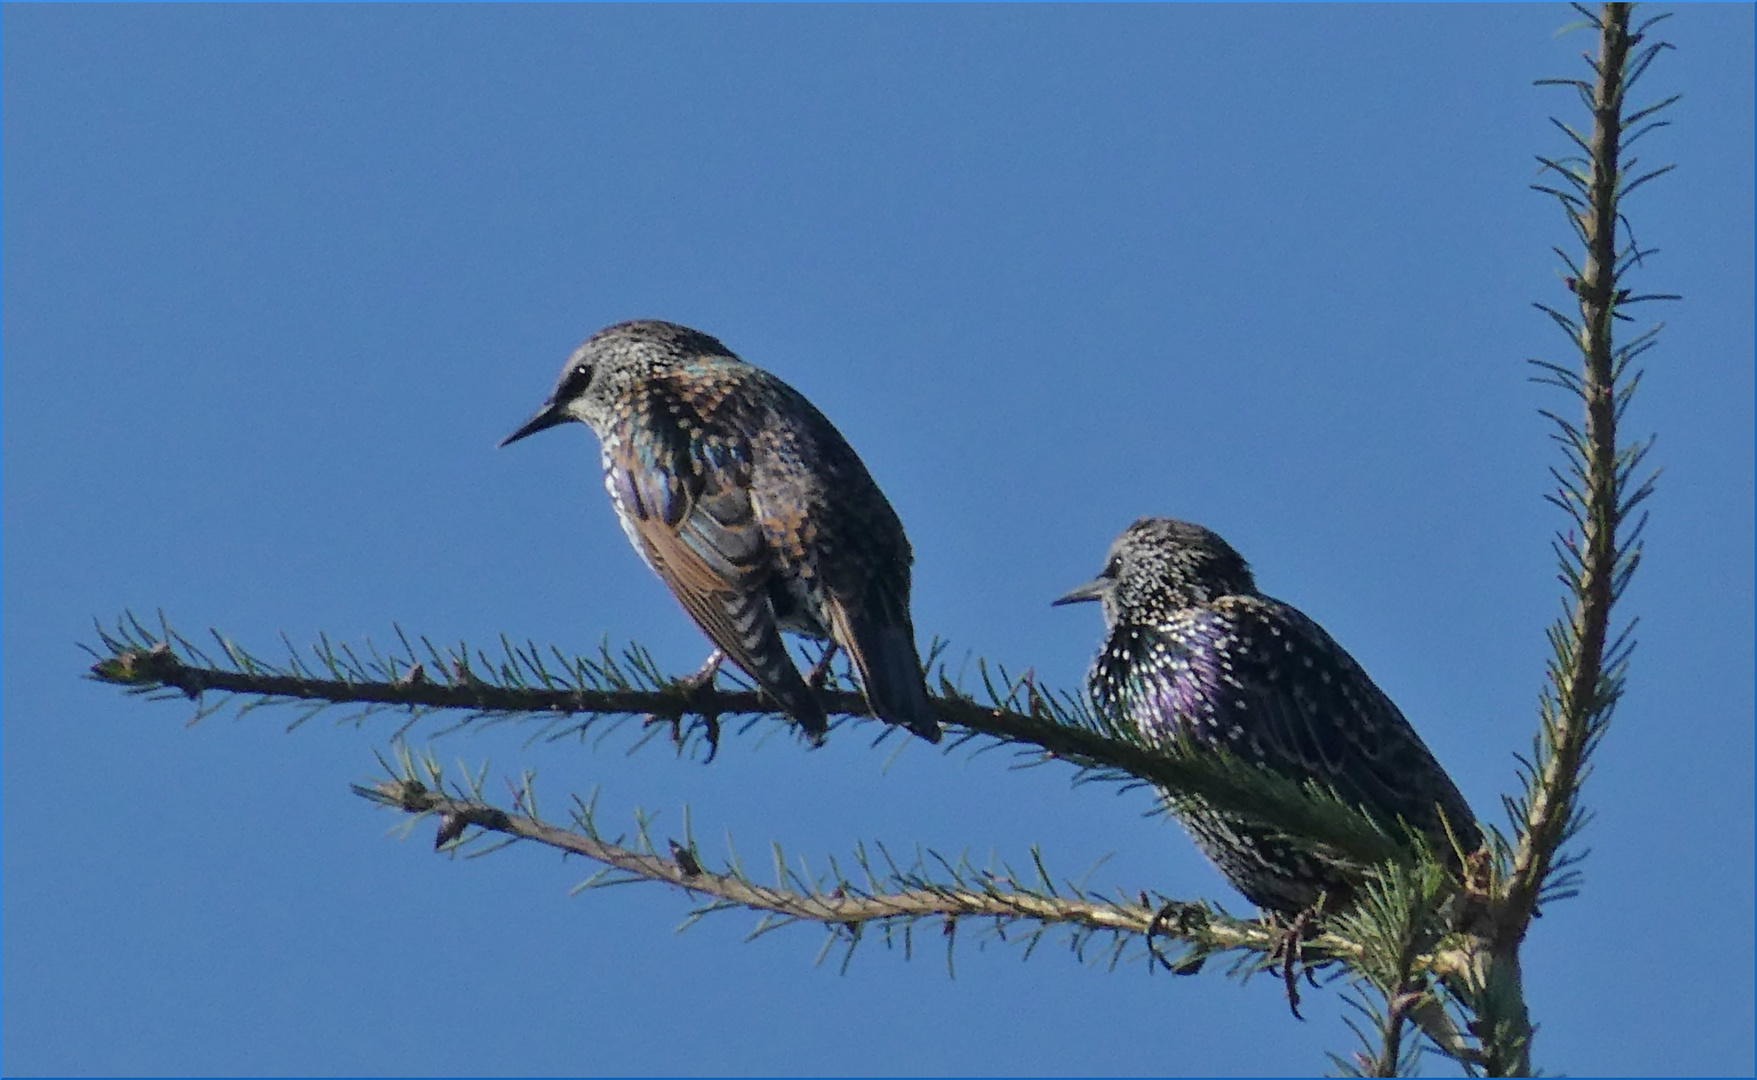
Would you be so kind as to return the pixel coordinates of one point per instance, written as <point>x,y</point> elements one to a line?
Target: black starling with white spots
<point>1193,649</point>
<point>752,508</point>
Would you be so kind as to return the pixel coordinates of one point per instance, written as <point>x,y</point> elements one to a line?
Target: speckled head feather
<point>1192,649</point>
<point>1162,565</point>
<point>611,364</point>
<point>752,508</point>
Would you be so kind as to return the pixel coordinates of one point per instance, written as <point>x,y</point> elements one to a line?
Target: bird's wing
<point>1261,679</point>
<point>686,496</point>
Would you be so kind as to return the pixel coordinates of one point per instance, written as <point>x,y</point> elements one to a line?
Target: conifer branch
<point>1420,946</point>
<point>683,871</point>
<point>1599,489</point>
<point>1401,920</point>
<point>1397,939</point>
<point>889,895</point>
<point>571,695</point>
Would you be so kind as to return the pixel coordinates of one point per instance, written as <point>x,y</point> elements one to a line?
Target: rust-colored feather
<point>696,527</point>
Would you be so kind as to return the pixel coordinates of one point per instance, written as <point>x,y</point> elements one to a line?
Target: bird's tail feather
<point>890,673</point>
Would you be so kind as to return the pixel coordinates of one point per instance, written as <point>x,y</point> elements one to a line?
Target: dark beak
<point>1092,590</point>
<point>546,417</point>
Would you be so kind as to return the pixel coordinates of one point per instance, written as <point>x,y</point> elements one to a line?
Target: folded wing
<point>687,503</point>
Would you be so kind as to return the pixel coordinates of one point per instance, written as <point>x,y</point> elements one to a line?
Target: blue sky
<point>277,278</point>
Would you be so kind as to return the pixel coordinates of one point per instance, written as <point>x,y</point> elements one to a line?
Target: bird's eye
<point>1112,568</point>
<point>574,383</point>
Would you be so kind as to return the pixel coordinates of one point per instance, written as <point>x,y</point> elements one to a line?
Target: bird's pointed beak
<point>1092,590</point>
<point>546,417</point>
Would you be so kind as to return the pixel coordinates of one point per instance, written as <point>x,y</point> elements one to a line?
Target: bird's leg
<point>710,719</point>
<point>705,675</point>
<point>1286,952</point>
<point>1190,963</point>
<point>821,670</point>
<point>711,732</point>
<point>690,686</point>
<point>1291,952</point>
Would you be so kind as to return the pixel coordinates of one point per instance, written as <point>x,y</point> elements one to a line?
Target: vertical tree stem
<point>1579,698</point>
<point>1502,1020</point>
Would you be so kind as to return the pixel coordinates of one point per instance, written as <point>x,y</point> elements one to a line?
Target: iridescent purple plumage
<point>1193,649</point>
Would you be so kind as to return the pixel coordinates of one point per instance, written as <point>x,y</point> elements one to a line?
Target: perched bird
<point>753,509</point>
<point>1193,649</point>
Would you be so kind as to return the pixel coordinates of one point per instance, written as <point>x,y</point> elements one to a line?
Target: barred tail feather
<point>890,672</point>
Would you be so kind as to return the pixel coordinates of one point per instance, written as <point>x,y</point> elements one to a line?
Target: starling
<point>1193,649</point>
<point>753,509</point>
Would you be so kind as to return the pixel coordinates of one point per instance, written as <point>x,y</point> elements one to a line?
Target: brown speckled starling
<point>752,508</point>
<point>1192,647</point>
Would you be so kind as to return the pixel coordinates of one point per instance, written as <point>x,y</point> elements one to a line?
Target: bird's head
<point>608,364</point>
<point>1158,566</point>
